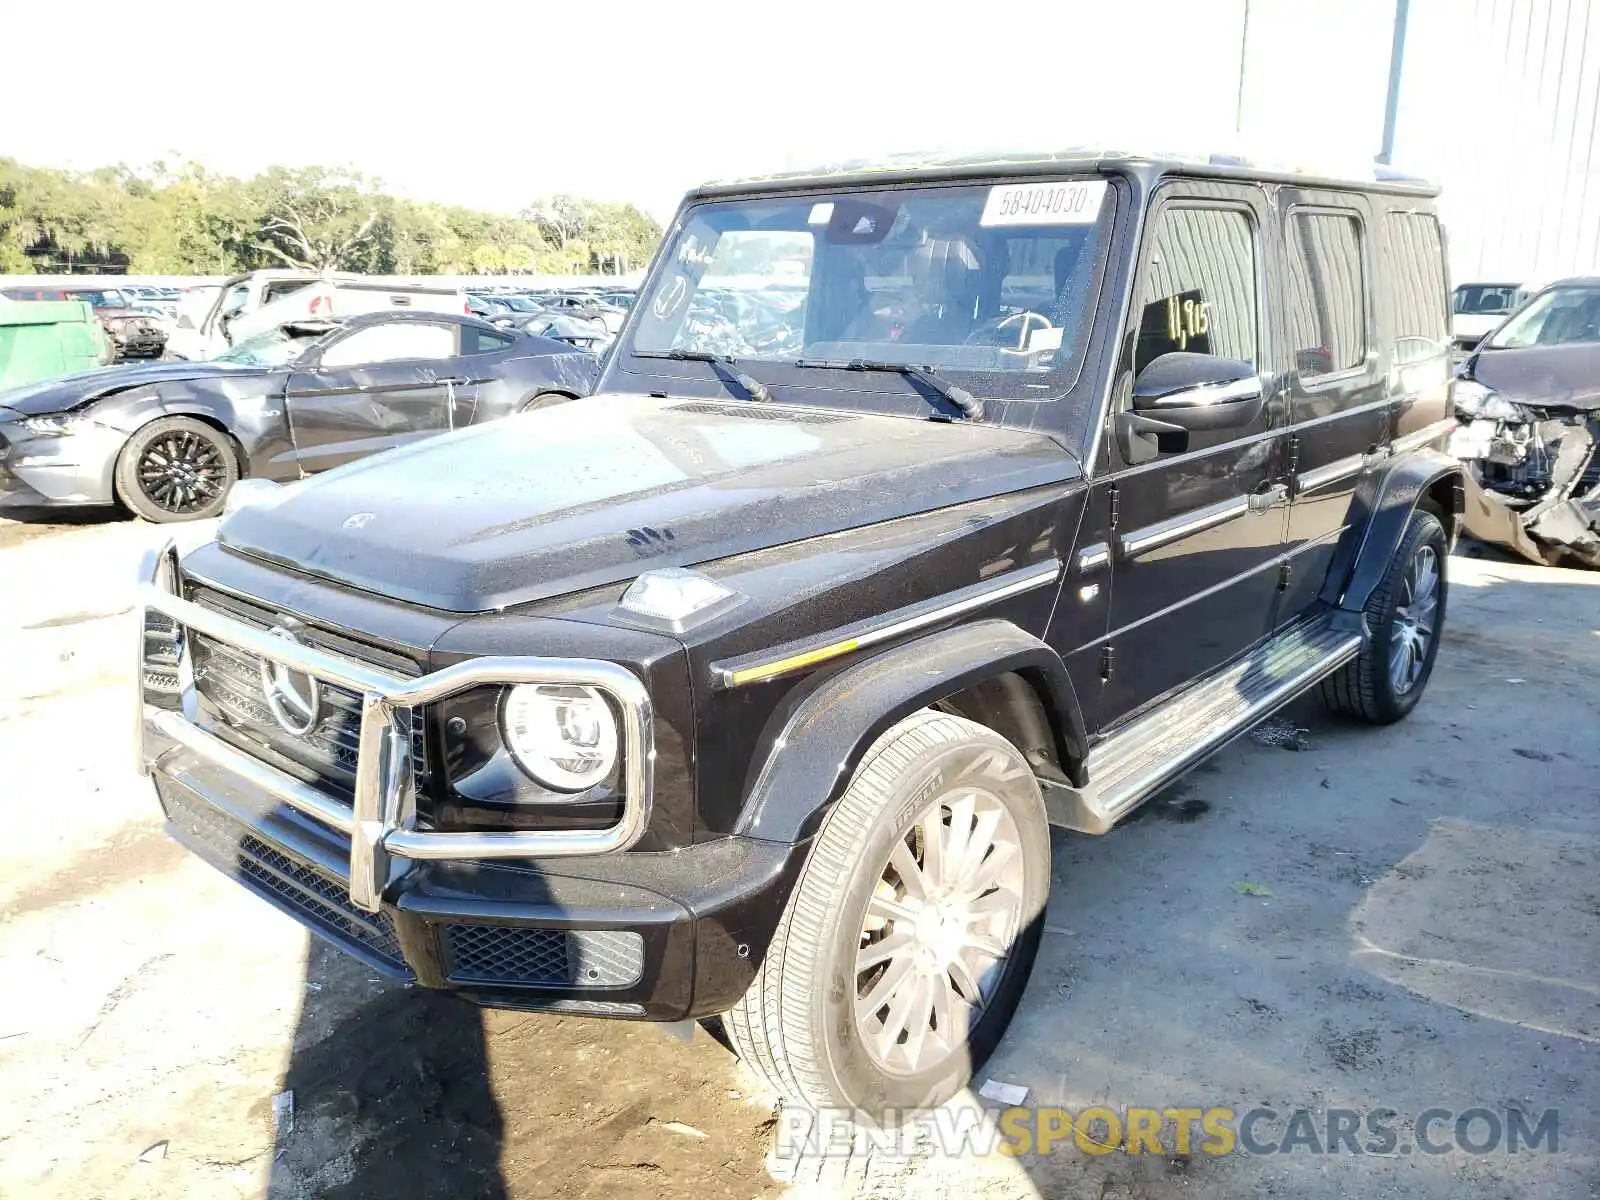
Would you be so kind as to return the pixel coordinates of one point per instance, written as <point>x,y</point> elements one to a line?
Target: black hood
<point>1555,377</point>
<point>596,492</point>
<point>71,391</point>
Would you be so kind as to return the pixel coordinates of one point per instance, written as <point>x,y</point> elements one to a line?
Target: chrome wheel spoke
<point>890,909</point>
<point>887,984</point>
<point>885,948</point>
<point>966,983</point>
<point>910,871</point>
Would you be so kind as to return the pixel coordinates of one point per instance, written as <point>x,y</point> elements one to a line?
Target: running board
<point>1135,763</point>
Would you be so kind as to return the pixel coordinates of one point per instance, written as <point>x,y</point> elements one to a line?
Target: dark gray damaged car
<point>168,440</point>
<point>1528,400</point>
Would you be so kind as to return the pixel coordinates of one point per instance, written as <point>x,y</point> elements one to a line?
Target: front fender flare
<point>813,744</point>
<point>1380,511</point>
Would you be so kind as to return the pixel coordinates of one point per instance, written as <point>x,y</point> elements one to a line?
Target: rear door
<point>377,387</point>
<point>1198,532</point>
<point>1341,418</point>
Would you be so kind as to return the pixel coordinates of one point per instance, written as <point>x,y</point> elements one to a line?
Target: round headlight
<point>563,735</point>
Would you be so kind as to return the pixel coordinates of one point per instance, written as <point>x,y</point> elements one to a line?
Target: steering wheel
<point>1010,332</point>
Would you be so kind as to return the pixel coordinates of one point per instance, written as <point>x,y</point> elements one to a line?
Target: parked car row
<point>586,317</point>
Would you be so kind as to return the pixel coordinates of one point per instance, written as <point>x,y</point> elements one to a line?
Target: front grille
<point>306,893</point>
<point>548,957</point>
<point>228,683</point>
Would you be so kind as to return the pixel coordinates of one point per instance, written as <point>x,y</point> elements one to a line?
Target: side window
<point>1200,291</point>
<point>1414,285</point>
<point>400,341</point>
<point>1326,293</point>
<point>482,341</point>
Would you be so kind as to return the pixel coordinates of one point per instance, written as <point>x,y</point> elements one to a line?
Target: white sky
<point>492,104</point>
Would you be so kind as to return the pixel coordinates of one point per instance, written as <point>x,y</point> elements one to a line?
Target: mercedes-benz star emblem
<point>294,697</point>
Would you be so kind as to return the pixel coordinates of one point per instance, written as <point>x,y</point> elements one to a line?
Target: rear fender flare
<point>1380,510</point>
<point>817,738</point>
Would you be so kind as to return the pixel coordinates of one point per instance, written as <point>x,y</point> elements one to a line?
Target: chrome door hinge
<point>1108,663</point>
<point>1116,506</point>
<point>1284,573</point>
<point>1294,454</point>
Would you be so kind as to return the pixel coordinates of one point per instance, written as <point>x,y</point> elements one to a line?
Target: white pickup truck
<point>213,318</point>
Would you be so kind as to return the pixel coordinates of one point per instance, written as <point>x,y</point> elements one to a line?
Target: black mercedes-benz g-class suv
<point>923,505</point>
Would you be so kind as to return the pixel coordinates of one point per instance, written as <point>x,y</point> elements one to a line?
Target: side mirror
<point>1180,393</point>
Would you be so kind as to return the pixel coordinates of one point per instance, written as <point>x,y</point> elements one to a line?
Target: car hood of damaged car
<point>595,492</point>
<point>71,391</point>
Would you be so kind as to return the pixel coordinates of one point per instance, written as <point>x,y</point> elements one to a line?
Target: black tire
<point>176,469</point>
<point>1366,687</point>
<point>797,1025</point>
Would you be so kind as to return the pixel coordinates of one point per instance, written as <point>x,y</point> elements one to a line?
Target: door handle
<point>1269,497</point>
<point>455,381</point>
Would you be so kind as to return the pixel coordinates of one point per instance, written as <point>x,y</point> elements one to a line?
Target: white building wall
<point>1499,104</point>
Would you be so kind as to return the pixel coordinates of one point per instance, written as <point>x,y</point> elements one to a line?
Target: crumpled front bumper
<point>43,471</point>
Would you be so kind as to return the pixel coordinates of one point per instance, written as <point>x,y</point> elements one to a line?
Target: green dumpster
<point>41,339</point>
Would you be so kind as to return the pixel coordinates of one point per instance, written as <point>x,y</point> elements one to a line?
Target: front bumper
<point>565,921</point>
<point>66,471</point>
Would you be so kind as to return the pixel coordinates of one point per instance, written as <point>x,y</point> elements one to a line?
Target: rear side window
<point>1327,293</point>
<point>483,341</point>
<point>1414,285</point>
<point>1200,288</point>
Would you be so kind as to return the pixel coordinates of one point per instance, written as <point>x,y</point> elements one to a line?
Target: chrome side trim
<point>1333,472</point>
<point>1420,438</point>
<point>1138,541</point>
<point>381,821</point>
<point>1092,558</point>
<point>769,664</point>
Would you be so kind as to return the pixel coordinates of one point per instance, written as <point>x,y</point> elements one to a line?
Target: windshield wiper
<point>757,389</point>
<point>971,407</point>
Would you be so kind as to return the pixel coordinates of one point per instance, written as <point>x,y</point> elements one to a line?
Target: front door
<point>380,386</point>
<point>1198,528</point>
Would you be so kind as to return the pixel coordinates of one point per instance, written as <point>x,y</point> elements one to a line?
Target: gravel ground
<point>1323,917</point>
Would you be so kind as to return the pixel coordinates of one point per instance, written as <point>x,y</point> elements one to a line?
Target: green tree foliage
<point>179,219</point>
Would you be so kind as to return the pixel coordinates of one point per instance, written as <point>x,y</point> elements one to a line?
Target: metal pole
<point>1244,42</point>
<point>1396,61</point>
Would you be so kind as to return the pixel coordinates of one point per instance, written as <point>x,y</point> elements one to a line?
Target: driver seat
<point>946,274</point>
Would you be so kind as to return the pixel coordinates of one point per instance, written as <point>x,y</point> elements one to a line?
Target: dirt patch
<point>136,854</point>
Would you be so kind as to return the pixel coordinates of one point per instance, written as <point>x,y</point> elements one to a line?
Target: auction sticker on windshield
<point>1055,203</point>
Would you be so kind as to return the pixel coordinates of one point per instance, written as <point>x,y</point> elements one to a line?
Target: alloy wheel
<point>182,471</point>
<point>1414,619</point>
<point>939,928</point>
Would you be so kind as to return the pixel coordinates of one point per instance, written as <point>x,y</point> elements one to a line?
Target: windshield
<point>1559,317</point>
<point>274,348</point>
<point>1484,299</point>
<point>990,283</point>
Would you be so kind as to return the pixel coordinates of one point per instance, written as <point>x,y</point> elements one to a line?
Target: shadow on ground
<point>402,1092</point>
